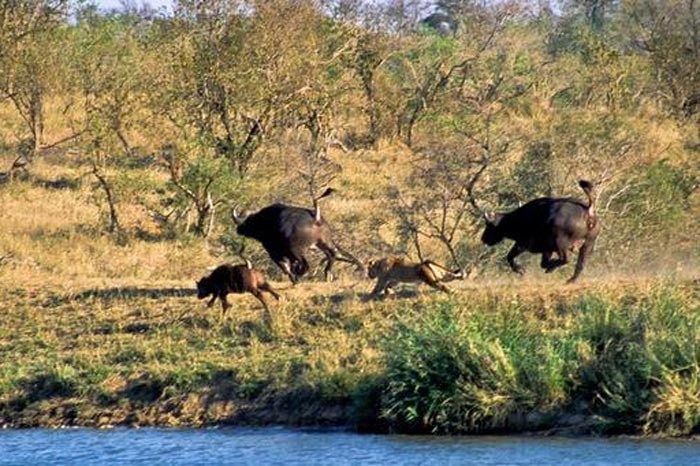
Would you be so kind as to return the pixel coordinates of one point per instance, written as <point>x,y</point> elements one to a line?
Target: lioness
<point>392,270</point>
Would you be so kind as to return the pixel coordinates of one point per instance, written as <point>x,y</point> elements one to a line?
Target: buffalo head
<point>492,233</point>
<point>239,218</point>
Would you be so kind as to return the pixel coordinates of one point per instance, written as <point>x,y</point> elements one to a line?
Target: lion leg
<point>440,286</point>
<point>429,278</point>
<point>380,286</point>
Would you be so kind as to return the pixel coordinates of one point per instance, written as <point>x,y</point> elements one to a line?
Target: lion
<point>392,270</point>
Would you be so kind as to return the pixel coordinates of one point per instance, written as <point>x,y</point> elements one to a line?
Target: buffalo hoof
<point>520,270</point>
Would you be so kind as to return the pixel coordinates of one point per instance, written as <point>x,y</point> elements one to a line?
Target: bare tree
<point>98,172</point>
<point>447,184</point>
<point>197,191</point>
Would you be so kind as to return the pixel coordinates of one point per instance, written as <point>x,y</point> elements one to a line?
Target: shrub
<point>447,375</point>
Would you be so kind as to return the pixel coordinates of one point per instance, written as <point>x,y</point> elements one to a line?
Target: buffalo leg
<point>224,304</point>
<point>549,264</point>
<point>300,266</point>
<point>330,259</point>
<point>546,262</point>
<point>515,251</point>
<point>260,298</point>
<point>212,300</point>
<point>349,258</point>
<point>269,289</point>
<point>287,269</point>
<point>563,247</point>
<point>586,249</point>
<point>267,317</point>
<point>381,285</point>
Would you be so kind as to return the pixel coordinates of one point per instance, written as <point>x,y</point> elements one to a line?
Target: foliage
<point>457,371</point>
<point>501,108</point>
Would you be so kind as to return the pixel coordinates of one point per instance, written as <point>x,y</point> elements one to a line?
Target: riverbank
<point>603,358</point>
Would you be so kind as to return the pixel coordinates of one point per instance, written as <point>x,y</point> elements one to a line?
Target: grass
<point>623,363</point>
<point>98,331</point>
<point>503,360</point>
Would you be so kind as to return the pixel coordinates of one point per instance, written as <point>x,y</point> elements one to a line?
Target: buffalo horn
<point>241,253</point>
<point>236,216</point>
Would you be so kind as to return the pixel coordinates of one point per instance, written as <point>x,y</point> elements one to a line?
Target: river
<point>271,446</point>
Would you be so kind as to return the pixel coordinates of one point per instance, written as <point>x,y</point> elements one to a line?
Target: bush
<point>629,365</point>
<point>447,375</point>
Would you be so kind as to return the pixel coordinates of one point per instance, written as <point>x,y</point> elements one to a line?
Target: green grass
<point>624,365</point>
<point>595,360</point>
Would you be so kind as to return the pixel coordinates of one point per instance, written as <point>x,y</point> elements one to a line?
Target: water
<point>270,446</point>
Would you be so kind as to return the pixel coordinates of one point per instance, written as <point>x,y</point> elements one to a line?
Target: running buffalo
<point>288,233</point>
<point>547,226</point>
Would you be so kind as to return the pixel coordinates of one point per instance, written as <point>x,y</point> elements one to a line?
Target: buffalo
<point>548,225</point>
<point>239,278</point>
<point>287,233</point>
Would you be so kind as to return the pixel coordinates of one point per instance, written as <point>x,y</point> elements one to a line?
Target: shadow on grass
<point>116,294</point>
<point>57,184</point>
<point>48,385</point>
<point>113,328</point>
<point>149,388</point>
<point>129,292</point>
<point>247,329</point>
<point>403,293</point>
<point>345,296</point>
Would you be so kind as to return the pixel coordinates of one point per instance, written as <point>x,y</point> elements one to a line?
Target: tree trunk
<point>36,116</point>
<point>114,226</point>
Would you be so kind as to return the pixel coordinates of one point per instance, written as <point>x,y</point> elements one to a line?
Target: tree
<point>430,64</point>
<point>469,135</point>
<point>105,63</point>
<point>230,76</point>
<point>28,70</point>
<point>371,53</point>
<point>668,34</point>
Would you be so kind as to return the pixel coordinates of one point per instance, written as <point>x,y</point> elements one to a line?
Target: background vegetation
<point>422,115</point>
<point>127,137</point>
